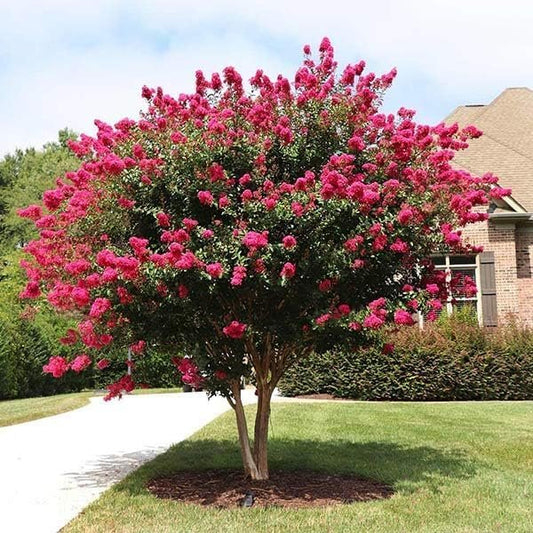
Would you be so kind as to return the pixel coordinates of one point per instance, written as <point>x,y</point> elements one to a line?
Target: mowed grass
<point>17,411</point>
<point>455,467</point>
<point>172,390</point>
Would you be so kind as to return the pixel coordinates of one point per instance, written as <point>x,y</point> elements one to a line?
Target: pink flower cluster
<point>234,330</point>
<point>115,390</point>
<point>189,371</point>
<point>254,240</point>
<point>57,366</point>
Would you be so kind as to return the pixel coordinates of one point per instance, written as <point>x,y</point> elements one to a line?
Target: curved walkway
<point>50,469</point>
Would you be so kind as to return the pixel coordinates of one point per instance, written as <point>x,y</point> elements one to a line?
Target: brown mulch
<point>319,396</point>
<point>228,489</point>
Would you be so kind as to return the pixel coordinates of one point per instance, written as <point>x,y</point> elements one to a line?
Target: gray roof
<point>506,147</point>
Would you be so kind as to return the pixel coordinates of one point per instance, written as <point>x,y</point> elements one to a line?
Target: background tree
<point>27,343</point>
<point>24,176</point>
<point>247,230</point>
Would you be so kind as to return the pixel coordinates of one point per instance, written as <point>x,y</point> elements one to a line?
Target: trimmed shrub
<point>452,359</point>
<point>153,370</point>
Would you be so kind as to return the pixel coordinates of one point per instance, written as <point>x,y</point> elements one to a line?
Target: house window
<point>464,265</point>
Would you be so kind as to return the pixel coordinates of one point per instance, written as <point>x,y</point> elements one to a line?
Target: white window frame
<point>449,268</point>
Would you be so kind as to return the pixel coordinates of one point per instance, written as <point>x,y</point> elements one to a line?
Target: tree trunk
<point>256,463</point>
<point>248,461</point>
<point>262,418</point>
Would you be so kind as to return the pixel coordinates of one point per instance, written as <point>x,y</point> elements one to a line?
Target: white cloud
<point>64,63</point>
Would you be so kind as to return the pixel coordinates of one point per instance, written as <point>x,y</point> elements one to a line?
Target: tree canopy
<point>246,229</point>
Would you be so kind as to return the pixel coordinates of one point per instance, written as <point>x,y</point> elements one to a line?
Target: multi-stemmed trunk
<point>255,459</point>
<point>269,363</point>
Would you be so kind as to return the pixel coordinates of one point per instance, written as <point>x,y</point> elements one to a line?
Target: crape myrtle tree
<point>248,228</point>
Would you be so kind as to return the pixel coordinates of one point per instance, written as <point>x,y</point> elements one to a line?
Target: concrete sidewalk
<point>54,467</point>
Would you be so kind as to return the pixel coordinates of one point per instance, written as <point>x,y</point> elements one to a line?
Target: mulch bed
<point>319,396</point>
<point>229,488</point>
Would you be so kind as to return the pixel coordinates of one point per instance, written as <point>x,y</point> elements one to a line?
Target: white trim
<point>510,201</point>
<point>476,266</point>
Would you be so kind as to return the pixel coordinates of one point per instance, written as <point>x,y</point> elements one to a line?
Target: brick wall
<point>524,265</point>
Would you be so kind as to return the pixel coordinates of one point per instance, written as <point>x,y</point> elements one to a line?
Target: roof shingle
<point>506,147</point>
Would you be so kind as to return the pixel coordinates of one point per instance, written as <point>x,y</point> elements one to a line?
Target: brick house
<point>504,271</point>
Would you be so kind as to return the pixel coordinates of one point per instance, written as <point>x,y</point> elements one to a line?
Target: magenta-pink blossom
<point>31,291</point>
<point>190,223</point>
<point>344,309</point>
<point>52,199</point>
<point>373,321</point>
<point>432,288</point>
<point>77,267</point>
<point>138,347</point>
<point>405,215</point>
<point>115,390</point>
<point>270,203</point>
<point>245,179</point>
<point>499,192</point>
<point>288,270</point>
<point>81,362</point>
<point>322,319</point>
<point>163,219</point>
<point>436,305</point>
<point>253,239</point>
<point>103,363</point>
<point>379,303</point>
<point>452,238</point>
<point>183,291</point>
<point>403,317</point>
<point>124,295</point>
<point>215,270</point>
<point>289,242</point>
<point>109,275</point>
<point>33,212</point>
<point>234,329</point>
<point>325,285</point>
<point>99,307</point>
<point>352,245</point>
<point>239,273</point>
<point>113,164</point>
<point>399,246</point>
<point>81,296</point>
<point>205,197</point>
<point>223,201</point>
<point>57,366</point>
<point>189,371</point>
<point>126,203</point>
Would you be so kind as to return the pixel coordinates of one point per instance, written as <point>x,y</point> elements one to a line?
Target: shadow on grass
<point>404,467</point>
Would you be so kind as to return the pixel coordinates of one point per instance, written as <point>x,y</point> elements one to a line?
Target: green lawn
<point>157,391</point>
<point>456,467</point>
<point>17,411</point>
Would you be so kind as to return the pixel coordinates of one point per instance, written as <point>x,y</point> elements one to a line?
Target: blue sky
<point>65,63</point>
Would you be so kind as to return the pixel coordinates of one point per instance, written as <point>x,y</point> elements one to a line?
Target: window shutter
<point>488,289</point>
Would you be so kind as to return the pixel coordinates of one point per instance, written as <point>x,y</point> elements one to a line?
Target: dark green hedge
<point>450,360</point>
<point>153,369</point>
<point>24,349</point>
